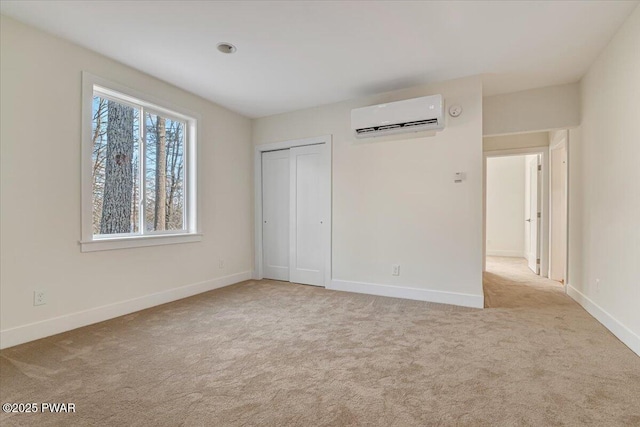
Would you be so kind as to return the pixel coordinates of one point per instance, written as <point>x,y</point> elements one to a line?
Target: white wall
<point>541,109</point>
<point>505,206</point>
<point>516,141</point>
<point>395,200</point>
<point>604,193</point>
<point>40,225</point>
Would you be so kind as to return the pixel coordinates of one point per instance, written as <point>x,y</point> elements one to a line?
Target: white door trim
<point>566,193</point>
<point>257,184</point>
<point>544,224</point>
<point>563,143</point>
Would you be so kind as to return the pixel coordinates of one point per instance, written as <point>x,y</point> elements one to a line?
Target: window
<point>138,170</point>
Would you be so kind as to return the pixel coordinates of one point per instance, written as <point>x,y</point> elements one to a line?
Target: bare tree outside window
<point>118,194</point>
<point>164,173</point>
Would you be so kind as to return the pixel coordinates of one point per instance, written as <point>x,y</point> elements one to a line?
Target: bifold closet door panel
<point>275,214</point>
<point>307,194</point>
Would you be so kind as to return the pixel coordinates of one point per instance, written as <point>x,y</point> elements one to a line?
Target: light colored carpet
<point>278,354</point>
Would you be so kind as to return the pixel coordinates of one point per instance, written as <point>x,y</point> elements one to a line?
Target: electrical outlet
<point>221,264</point>
<point>395,270</point>
<point>39,298</point>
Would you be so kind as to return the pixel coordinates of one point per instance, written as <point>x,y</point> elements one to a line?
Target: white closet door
<point>307,199</point>
<point>275,214</point>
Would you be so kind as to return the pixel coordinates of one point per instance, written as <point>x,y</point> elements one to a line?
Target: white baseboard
<point>518,254</point>
<point>442,297</point>
<point>624,334</point>
<point>56,325</point>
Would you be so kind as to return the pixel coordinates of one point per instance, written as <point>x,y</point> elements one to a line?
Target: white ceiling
<point>293,55</point>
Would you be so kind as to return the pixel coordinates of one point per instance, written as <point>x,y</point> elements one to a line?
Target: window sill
<point>137,242</point>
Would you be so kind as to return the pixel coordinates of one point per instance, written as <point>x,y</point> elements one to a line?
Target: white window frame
<point>90,242</point>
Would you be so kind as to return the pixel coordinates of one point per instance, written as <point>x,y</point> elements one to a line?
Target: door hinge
<point>539,167</point>
<point>538,261</point>
<point>539,214</point>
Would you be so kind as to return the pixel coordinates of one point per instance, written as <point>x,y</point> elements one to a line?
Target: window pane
<point>116,182</point>
<point>164,176</point>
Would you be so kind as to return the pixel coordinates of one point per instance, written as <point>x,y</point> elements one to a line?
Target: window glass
<point>116,167</point>
<point>164,174</point>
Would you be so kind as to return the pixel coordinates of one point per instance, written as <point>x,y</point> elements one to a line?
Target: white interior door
<point>533,216</point>
<point>308,194</point>
<point>275,214</point>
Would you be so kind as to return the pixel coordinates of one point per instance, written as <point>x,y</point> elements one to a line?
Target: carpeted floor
<point>278,354</point>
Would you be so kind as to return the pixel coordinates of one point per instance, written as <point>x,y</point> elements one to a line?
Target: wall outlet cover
<point>39,298</point>
<point>395,271</point>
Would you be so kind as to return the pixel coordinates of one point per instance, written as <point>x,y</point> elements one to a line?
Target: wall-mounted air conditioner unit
<point>410,115</point>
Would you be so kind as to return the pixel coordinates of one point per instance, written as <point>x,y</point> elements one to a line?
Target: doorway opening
<point>526,205</point>
<point>514,208</point>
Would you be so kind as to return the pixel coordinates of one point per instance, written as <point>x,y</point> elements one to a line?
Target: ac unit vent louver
<point>399,125</point>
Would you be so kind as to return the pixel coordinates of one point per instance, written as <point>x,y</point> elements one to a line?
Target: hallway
<point>509,283</point>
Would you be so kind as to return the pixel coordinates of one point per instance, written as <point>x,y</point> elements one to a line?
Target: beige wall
<point>394,198</point>
<point>505,206</point>
<point>534,110</point>
<point>40,155</point>
<point>522,140</point>
<point>604,210</point>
